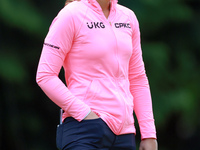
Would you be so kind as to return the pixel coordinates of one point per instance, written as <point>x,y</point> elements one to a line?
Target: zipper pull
<point>110,23</point>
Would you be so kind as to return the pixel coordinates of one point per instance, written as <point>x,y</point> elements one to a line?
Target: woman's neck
<point>105,6</point>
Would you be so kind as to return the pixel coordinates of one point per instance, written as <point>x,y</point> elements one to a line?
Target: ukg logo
<point>96,25</point>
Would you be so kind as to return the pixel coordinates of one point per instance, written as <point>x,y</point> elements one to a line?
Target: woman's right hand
<point>91,116</point>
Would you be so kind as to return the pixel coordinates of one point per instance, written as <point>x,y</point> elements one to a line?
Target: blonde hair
<point>69,1</point>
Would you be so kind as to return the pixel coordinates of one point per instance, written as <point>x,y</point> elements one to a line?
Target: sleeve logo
<point>53,46</point>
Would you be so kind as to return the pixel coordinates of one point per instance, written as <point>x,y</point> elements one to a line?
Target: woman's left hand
<point>149,144</point>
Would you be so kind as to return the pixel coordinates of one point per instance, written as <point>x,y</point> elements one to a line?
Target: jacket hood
<point>93,1</point>
<point>95,4</point>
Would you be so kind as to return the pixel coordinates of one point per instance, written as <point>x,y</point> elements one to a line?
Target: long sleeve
<point>139,87</point>
<point>57,44</point>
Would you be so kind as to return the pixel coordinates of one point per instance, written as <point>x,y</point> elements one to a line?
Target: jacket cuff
<point>147,129</point>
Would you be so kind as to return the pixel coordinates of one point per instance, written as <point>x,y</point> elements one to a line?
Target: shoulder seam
<point>82,22</point>
<point>128,15</point>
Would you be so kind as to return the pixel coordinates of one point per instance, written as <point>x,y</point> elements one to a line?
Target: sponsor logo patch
<point>95,25</point>
<point>50,45</point>
<point>122,25</point>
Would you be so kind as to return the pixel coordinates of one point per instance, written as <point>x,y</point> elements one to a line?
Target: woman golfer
<point>97,42</point>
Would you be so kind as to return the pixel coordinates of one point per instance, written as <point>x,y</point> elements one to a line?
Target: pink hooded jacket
<point>103,65</point>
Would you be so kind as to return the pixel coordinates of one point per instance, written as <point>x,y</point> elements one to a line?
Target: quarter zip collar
<point>95,5</point>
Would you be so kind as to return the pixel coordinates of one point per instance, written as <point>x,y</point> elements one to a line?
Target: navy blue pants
<point>91,135</point>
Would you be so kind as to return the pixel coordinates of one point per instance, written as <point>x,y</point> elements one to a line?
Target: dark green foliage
<point>170,32</point>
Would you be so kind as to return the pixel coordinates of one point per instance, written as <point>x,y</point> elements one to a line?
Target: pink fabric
<point>103,65</point>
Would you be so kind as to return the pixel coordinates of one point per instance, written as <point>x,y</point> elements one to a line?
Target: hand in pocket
<point>91,116</point>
